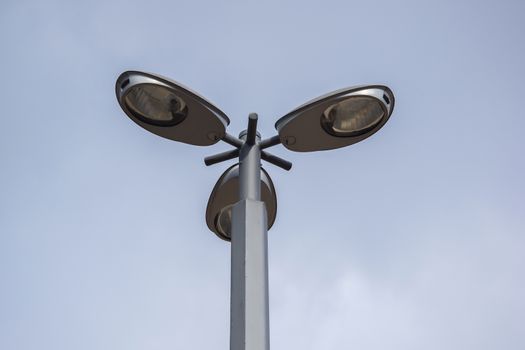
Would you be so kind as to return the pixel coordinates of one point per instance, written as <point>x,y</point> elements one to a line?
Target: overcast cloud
<point>412,239</point>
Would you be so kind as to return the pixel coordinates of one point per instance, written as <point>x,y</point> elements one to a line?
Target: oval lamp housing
<point>226,193</point>
<point>168,109</point>
<point>337,119</point>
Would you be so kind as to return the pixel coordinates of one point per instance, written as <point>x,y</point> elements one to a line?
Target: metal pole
<point>249,324</point>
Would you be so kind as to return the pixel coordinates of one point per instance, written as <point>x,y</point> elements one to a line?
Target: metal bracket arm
<point>221,157</point>
<point>277,161</point>
<point>270,142</point>
<point>251,132</point>
<point>232,140</point>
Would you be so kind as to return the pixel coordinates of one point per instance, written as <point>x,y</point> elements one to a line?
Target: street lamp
<point>337,119</point>
<point>226,193</point>
<point>169,109</point>
<point>243,205</point>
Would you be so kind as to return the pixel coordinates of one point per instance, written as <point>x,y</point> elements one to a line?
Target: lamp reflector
<point>223,221</point>
<point>156,104</point>
<point>353,116</point>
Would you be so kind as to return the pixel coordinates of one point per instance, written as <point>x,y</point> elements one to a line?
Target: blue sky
<point>411,239</point>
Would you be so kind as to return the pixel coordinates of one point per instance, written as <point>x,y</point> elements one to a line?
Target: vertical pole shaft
<point>249,324</point>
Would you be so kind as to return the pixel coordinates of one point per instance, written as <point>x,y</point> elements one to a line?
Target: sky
<point>411,239</point>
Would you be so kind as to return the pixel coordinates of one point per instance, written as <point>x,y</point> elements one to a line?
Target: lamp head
<point>168,109</point>
<point>338,119</point>
<point>225,195</point>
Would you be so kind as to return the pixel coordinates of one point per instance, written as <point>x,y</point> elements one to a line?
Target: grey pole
<point>249,323</point>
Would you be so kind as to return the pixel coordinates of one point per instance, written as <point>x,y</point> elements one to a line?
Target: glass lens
<point>223,221</point>
<point>352,117</point>
<point>155,104</point>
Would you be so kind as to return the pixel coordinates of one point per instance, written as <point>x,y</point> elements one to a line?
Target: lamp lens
<point>354,116</point>
<point>223,222</point>
<point>155,104</point>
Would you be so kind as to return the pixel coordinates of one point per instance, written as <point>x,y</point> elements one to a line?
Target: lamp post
<point>242,206</point>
